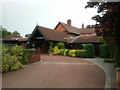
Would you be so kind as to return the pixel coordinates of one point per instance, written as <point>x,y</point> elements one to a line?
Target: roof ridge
<point>51,29</point>
<point>70,25</point>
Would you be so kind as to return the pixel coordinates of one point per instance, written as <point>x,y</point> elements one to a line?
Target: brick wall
<point>118,78</point>
<point>35,56</point>
<point>60,28</point>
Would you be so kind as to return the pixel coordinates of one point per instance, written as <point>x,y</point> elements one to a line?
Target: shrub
<point>13,57</point>
<point>62,51</point>
<point>25,56</point>
<point>5,63</point>
<point>17,51</point>
<point>61,45</point>
<point>10,63</point>
<point>56,51</point>
<point>53,46</point>
<point>66,52</point>
<point>89,50</point>
<point>80,53</point>
<point>72,53</point>
<point>109,60</point>
<point>16,66</point>
<point>105,51</point>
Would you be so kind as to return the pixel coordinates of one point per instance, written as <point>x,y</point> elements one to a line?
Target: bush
<point>17,51</point>
<point>10,63</point>
<point>109,60</point>
<point>80,53</point>
<point>55,46</point>
<point>5,63</point>
<point>25,56</point>
<point>56,51</point>
<point>72,53</point>
<point>61,45</point>
<point>13,57</point>
<point>66,52</point>
<point>105,51</point>
<point>62,51</point>
<point>89,50</point>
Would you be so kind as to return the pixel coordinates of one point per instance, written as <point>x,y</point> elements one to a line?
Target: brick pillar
<point>35,56</point>
<point>118,78</point>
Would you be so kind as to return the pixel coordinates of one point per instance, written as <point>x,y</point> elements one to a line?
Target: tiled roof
<point>53,35</point>
<point>12,37</point>
<point>84,31</point>
<point>70,28</point>
<point>75,30</point>
<point>23,39</point>
<point>86,39</point>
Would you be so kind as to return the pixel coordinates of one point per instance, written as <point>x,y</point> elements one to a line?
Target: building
<point>42,36</point>
<point>66,33</point>
<point>14,39</point>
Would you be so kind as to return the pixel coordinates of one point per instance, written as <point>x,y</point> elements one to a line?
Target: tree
<point>108,24</point>
<point>16,32</point>
<point>27,35</point>
<point>4,33</point>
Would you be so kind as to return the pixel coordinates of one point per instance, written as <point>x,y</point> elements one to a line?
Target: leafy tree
<point>4,32</point>
<point>108,24</point>
<point>16,32</point>
<point>27,35</point>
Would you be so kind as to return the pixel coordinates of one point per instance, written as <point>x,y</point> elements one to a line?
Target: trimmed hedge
<point>77,53</point>
<point>80,53</point>
<point>89,50</point>
<point>105,51</point>
<point>69,52</point>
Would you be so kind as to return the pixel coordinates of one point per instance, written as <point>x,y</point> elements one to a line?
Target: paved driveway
<point>56,72</point>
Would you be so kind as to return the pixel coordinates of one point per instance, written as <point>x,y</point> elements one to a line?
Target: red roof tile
<point>84,31</point>
<point>12,37</point>
<point>86,39</point>
<point>70,28</point>
<point>53,35</point>
<point>23,39</point>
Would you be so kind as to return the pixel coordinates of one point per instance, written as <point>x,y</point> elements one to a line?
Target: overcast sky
<point>23,15</point>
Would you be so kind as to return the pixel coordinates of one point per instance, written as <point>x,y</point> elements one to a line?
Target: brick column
<point>35,56</point>
<point>118,78</point>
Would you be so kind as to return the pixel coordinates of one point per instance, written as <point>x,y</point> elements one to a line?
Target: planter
<point>118,78</point>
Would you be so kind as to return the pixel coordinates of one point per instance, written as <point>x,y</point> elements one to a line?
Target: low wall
<point>35,56</point>
<point>118,78</point>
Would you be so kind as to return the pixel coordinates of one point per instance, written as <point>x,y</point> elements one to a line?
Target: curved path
<point>109,69</point>
<point>56,72</point>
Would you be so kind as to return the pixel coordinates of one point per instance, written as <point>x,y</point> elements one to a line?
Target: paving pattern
<point>56,72</point>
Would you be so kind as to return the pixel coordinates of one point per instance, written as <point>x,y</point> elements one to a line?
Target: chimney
<point>69,22</point>
<point>83,25</point>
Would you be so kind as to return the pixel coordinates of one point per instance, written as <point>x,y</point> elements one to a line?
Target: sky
<point>24,15</point>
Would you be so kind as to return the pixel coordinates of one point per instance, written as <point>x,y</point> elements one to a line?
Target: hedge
<point>105,51</point>
<point>80,53</point>
<point>89,50</point>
